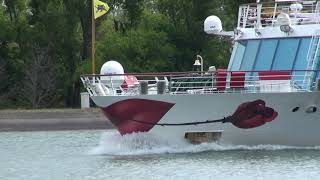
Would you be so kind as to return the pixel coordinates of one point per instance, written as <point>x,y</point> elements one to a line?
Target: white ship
<point>269,94</point>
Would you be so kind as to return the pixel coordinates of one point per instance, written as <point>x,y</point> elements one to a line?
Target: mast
<point>93,39</point>
<point>99,8</point>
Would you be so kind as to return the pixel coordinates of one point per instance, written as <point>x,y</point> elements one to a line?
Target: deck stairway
<point>312,59</point>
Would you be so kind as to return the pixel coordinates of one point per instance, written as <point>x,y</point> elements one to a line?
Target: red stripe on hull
<point>123,114</point>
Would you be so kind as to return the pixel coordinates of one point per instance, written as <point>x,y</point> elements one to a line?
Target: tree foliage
<point>45,44</point>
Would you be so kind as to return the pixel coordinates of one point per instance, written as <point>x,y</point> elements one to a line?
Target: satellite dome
<point>112,67</point>
<point>212,25</point>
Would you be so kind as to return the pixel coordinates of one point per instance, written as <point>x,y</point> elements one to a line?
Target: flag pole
<point>93,39</point>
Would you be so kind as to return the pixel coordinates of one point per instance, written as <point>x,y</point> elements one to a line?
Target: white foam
<point>112,143</point>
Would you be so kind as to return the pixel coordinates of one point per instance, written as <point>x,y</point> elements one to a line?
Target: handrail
<point>195,82</point>
<point>190,73</point>
<point>282,2</point>
<point>257,15</point>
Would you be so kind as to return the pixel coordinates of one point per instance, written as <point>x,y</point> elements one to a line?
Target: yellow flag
<point>100,8</point>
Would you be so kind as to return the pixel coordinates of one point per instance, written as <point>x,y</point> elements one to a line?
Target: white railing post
<point>274,13</point>
<point>259,8</point>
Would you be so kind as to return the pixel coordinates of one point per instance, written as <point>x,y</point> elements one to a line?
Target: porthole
<point>295,109</point>
<point>311,109</point>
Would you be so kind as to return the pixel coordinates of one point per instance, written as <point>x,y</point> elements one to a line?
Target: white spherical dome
<point>112,67</point>
<point>212,25</point>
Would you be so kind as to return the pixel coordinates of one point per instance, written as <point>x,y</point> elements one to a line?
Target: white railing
<point>197,83</point>
<point>265,14</point>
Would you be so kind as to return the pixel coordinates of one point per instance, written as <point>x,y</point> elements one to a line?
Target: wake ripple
<point>112,143</point>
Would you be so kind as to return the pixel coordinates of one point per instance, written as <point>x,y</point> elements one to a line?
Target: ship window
<point>250,55</point>
<point>270,54</point>
<point>266,53</point>
<point>301,60</point>
<point>238,56</point>
<point>285,54</point>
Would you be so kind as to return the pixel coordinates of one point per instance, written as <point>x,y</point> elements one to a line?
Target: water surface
<point>107,155</point>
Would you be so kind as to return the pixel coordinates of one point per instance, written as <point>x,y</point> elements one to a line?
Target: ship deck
<point>220,81</point>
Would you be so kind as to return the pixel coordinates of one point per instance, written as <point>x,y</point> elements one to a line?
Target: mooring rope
<point>181,124</point>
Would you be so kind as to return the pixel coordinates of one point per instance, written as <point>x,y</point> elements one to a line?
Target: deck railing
<point>200,83</point>
<point>258,15</point>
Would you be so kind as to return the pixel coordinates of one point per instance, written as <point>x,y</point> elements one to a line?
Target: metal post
<point>143,88</point>
<point>201,62</point>
<point>161,87</point>
<point>93,39</point>
<point>85,100</point>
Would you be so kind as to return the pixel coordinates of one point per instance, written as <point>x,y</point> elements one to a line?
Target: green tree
<point>188,36</point>
<point>56,28</point>
<point>145,48</point>
<point>133,11</point>
<point>45,44</point>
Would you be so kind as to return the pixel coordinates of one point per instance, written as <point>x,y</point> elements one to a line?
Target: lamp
<point>197,65</point>
<point>286,28</point>
<point>284,21</point>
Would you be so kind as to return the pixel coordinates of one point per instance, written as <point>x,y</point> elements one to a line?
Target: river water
<point>106,155</point>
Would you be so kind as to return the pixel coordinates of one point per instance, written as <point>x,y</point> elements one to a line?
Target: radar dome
<point>112,67</point>
<point>212,25</point>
